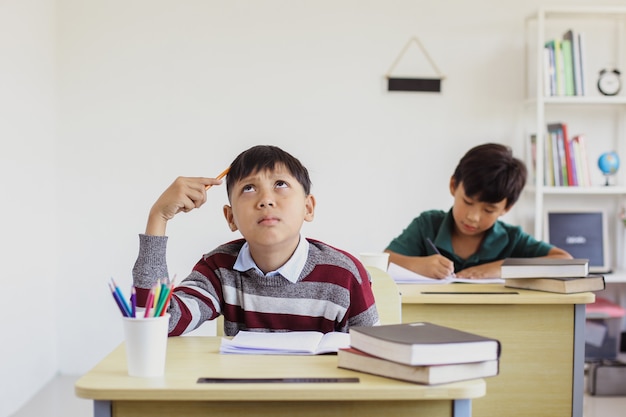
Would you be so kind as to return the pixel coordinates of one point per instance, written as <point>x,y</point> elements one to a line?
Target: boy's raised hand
<point>184,194</point>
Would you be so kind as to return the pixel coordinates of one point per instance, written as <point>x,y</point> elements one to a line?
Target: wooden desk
<point>542,337</point>
<point>188,358</point>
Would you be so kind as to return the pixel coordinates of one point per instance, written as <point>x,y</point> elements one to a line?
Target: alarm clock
<point>609,82</point>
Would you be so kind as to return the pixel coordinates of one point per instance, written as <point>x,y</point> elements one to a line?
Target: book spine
<point>568,67</point>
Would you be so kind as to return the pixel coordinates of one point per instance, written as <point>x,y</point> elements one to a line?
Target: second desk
<point>542,337</point>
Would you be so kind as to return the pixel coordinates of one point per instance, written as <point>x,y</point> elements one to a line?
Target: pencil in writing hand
<point>219,177</point>
<point>432,245</point>
<point>430,242</point>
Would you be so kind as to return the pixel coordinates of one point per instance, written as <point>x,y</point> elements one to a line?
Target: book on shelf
<point>356,360</point>
<point>582,159</point>
<point>285,343</point>
<point>581,64</point>
<point>549,71</point>
<point>574,39</point>
<point>568,67</point>
<point>515,268</point>
<point>563,285</point>
<point>423,343</point>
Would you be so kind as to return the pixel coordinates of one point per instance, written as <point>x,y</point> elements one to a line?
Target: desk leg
<point>101,408</point>
<point>578,378</point>
<point>462,408</point>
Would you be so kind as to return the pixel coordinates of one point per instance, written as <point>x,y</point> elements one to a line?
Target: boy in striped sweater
<point>273,279</point>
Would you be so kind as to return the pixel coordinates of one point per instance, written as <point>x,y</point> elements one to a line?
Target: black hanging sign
<point>431,85</point>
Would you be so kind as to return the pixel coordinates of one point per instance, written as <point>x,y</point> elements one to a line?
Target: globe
<point>608,163</point>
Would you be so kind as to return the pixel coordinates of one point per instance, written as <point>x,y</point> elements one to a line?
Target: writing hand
<point>438,266</point>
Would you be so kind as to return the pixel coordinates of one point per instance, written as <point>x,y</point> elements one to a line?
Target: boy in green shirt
<point>469,241</point>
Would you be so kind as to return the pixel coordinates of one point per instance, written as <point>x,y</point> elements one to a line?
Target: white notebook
<point>285,343</point>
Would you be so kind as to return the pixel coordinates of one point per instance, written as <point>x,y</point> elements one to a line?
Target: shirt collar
<point>496,237</point>
<point>290,270</point>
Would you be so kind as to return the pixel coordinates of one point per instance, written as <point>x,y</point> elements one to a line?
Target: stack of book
<point>563,276</point>
<point>423,353</point>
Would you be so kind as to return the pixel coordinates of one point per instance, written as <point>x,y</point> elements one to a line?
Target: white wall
<point>152,89</point>
<point>29,243</point>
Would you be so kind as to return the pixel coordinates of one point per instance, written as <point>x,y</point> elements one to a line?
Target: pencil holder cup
<point>146,345</point>
<point>378,260</point>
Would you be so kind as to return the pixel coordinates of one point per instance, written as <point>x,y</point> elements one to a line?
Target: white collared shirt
<point>290,270</point>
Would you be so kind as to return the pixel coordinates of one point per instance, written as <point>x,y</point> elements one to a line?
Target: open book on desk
<point>404,276</point>
<point>285,343</point>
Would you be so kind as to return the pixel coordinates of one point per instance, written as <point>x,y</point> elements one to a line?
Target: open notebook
<point>285,343</point>
<point>404,276</point>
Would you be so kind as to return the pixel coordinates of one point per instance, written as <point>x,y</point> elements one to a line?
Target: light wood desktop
<point>542,337</point>
<point>189,358</point>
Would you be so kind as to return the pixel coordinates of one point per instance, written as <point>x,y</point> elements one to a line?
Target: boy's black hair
<point>266,157</point>
<point>490,173</point>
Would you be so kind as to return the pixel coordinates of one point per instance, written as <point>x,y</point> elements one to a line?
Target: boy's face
<point>473,217</point>
<point>268,208</point>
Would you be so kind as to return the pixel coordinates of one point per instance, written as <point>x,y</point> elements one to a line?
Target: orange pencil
<point>219,177</point>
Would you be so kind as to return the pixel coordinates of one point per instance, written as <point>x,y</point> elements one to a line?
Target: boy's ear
<point>453,185</point>
<point>228,215</point>
<point>309,208</point>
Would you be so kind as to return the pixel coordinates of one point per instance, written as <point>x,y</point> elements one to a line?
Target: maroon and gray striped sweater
<point>332,293</point>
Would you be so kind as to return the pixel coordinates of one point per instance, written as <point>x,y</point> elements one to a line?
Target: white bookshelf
<point>602,119</point>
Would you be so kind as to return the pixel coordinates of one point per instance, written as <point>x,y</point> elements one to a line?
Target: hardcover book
<point>544,268</point>
<point>423,343</point>
<point>357,360</point>
<point>559,285</point>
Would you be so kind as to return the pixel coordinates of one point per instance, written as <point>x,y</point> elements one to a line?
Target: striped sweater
<point>332,293</point>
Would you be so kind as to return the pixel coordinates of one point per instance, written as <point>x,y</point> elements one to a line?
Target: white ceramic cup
<point>146,345</point>
<point>378,260</point>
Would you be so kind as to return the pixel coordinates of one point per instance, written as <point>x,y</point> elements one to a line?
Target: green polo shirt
<point>501,241</point>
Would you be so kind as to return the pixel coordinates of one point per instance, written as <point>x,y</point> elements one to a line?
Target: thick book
<point>357,360</point>
<point>559,285</point>
<point>423,343</point>
<point>544,268</point>
<point>285,343</point>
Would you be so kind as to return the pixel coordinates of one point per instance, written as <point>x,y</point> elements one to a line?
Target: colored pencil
<point>121,297</point>
<point>149,303</point>
<point>117,300</point>
<point>133,302</point>
<point>219,177</point>
<point>162,296</point>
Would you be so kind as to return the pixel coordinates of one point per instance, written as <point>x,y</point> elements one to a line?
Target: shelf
<point>615,277</point>
<point>609,191</point>
<point>579,100</point>
<point>569,12</point>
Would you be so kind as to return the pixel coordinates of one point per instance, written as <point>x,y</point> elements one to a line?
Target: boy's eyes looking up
<point>251,188</point>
